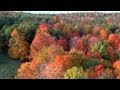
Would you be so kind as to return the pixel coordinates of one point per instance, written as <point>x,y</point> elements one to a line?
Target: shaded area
<point>8,67</point>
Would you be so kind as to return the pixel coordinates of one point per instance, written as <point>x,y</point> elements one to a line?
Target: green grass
<point>8,67</point>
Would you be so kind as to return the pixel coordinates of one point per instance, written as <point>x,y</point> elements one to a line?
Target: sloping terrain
<point>8,67</point>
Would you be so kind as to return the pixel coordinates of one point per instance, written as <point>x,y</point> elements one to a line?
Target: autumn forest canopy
<point>59,46</point>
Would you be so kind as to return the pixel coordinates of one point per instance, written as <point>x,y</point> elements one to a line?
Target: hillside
<point>59,46</point>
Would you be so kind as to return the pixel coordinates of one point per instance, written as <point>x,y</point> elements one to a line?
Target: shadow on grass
<point>8,67</point>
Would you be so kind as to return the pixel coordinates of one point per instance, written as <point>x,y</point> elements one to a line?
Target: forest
<point>59,46</point>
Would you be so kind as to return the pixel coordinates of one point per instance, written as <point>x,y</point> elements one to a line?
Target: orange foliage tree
<point>112,37</point>
<point>116,65</point>
<point>40,61</point>
<point>103,34</point>
<point>19,47</point>
<point>27,70</point>
<point>114,40</point>
<point>40,40</point>
<point>43,27</point>
<point>55,69</point>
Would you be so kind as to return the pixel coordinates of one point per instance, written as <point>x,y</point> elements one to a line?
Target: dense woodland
<point>61,46</point>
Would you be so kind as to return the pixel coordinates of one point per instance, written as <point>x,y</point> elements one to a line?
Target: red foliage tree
<point>74,34</point>
<point>73,41</point>
<point>95,72</point>
<point>99,69</point>
<point>111,52</point>
<point>92,39</point>
<point>82,45</point>
<point>63,42</point>
<point>97,55</point>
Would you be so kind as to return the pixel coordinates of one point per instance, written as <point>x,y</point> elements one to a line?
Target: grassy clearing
<point>8,67</point>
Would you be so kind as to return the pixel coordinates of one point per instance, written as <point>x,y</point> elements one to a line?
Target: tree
<point>5,34</point>
<point>48,53</point>
<point>116,65</point>
<point>19,47</point>
<point>43,27</point>
<point>74,73</point>
<point>56,33</point>
<point>112,37</point>
<point>26,70</point>
<point>27,29</point>
<point>40,41</point>
<point>90,63</point>
<point>55,69</point>
<point>76,58</point>
<point>114,40</point>
<point>82,45</point>
<point>103,34</point>
<point>41,62</point>
<point>63,42</point>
